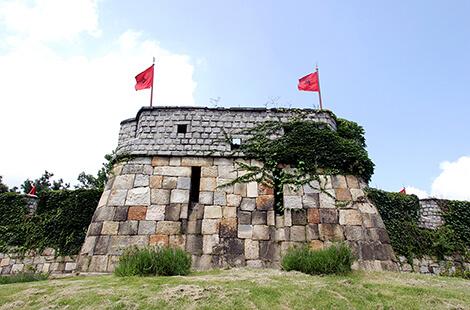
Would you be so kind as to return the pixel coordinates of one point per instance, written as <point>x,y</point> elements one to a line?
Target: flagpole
<point>153,78</point>
<point>319,88</point>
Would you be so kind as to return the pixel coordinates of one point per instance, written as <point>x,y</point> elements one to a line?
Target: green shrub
<point>148,261</point>
<point>336,259</point>
<point>23,277</point>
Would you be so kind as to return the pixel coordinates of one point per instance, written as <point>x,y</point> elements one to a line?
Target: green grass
<point>23,277</point>
<point>242,289</point>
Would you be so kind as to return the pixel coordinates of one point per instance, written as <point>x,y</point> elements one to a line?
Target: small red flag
<point>33,190</point>
<point>309,82</point>
<point>144,79</point>
<point>403,191</point>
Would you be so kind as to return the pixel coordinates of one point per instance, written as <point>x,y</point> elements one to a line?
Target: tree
<point>90,181</point>
<point>44,184</point>
<point>3,187</point>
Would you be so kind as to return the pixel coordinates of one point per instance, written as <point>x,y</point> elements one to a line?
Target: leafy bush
<point>336,259</point>
<point>23,277</point>
<point>147,261</point>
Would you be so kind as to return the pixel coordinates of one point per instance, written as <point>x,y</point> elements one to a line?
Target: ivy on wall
<point>60,222</point>
<point>400,214</point>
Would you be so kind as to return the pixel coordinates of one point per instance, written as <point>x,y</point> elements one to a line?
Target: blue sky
<point>400,69</point>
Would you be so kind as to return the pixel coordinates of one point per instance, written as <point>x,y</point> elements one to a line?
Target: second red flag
<point>309,82</point>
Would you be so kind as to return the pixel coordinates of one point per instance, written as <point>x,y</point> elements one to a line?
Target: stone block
<point>209,172</point>
<point>354,233</point>
<point>239,189</point>
<point>172,212</point>
<point>343,194</point>
<point>265,202</point>
<point>119,244</point>
<point>316,244</point>
<point>147,227</point>
<point>173,171</point>
<point>208,184</point>
<point>251,249</point>
<point>137,213</point>
<point>366,250</point>
<point>299,216</point>
<point>229,212</point>
<point>297,233</point>
<point>160,161</point>
<point>156,181</point>
<point>312,188</point>
<point>125,181</point>
<point>206,198</point>
<point>254,263</point>
<point>210,226</point>
<point>350,217</point>
<point>212,212</point>
<point>104,214</point>
<point>233,200</point>
<point>367,208</point>
<point>372,221</point>
<point>357,194</point>
<point>101,246</point>
<point>338,181</point>
<point>312,231</point>
<point>313,216</point>
<point>178,241</point>
<point>329,216</point>
<point>155,213</point>
<point>260,232</point>
<point>228,228</point>
<point>197,161</point>
<point>287,217</point>
<point>104,199</point>
<point>378,234</point>
<point>352,181</point>
<point>232,247</point>
<point>194,244</point>
<point>117,197</point>
<point>194,227</point>
<point>259,217</point>
<point>94,229</point>
<point>227,172</point>
<point>282,234</point>
<point>179,196</point>
<point>269,251</point>
<point>87,247</point>
<point>271,218</point>
<point>245,231</point>
<point>244,217</point>
<point>330,232</point>
<point>138,196</point>
<point>252,189</point>
<point>98,263</point>
<point>279,221</point>
<point>175,161</point>
<point>264,189</point>
<point>292,202</point>
<point>220,198</point>
<point>327,199</point>
<point>209,242</point>
<point>141,180</point>
<point>220,161</point>
<point>169,182</point>
<point>120,213</point>
<point>311,200</point>
<point>168,228</point>
<point>183,183</point>
<point>110,228</point>
<point>248,204</point>
<point>292,190</point>
<point>128,228</point>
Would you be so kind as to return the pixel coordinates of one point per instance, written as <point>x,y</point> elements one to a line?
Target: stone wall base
<point>45,262</point>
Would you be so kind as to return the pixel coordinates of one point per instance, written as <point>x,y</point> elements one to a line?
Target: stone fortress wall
<point>171,193</point>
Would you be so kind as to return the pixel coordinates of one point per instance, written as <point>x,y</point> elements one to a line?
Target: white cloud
<point>61,111</point>
<point>454,180</point>
<point>416,191</point>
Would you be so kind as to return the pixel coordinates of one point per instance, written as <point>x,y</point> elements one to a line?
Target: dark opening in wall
<point>182,128</point>
<point>195,182</point>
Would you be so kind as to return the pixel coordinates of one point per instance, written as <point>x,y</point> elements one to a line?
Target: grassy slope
<point>242,289</point>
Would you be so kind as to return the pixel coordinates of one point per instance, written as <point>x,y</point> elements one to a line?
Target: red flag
<point>144,79</point>
<point>309,82</point>
<point>33,190</point>
<point>403,191</point>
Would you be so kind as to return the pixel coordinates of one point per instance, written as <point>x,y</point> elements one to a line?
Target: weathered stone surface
<point>147,227</point>
<point>160,161</point>
<point>271,218</point>
<point>260,232</point>
<point>343,194</point>
<point>220,198</point>
<point>352,181</point>
<point>372,220</point>
<point>239,189</point>
<point>208,184</point>
<point>87,247</point>
<point>101,246</point>
<point>228,228</point>
<point>327,199</point>
<point>233,200</point>
<point>233,246</point>
<point>173,171</point>
<point>197,161</point>
<point>297,233</point>
<point>210,226</point>
<point>177,241</point>
<point>259,217</point>
<point>172,212</point>
<point>179,196</point>
<point>183,183</point>
<point>168,228</point>
<point>110,228</point>
<point>316,244</point>
<point>98,263</point>
<point>312,231</point>
<point>313,216</point>
<point>355,233</point>
<point>160,196</point>
<point>292,202</point>
<point>209,171</point>
<point>311,200</point>
<point>312,188</point>
<point>95,229</point>
<point>141,180</point>
<point>156,181</point>
<point>332,232</point>
<point>269,251</point>
<point>251,249</point>
<point>104,214</point>
<point>138,196</point>
<point>155,213</point>
<point>299,217</point>
<point>248,204</point>
<point>244,217</point>
<point>212,212</point>
<point>252,189</point>
<point>120,243</point>
<point>229,212</point>
<point>194,227</point>
<point>159,240</point>
<point>350,217</point>
<point>209,242</point>
<point>357,194</point>
<point>292,190</point>
<point>338,181</point>
<point>169,182</point>
<point>104,198</point>
<point>288,217</point>
<point>282,234</point>
<point>245,231</point>
<point>128,228</point>
<point>175,161</point>
<point>329,216</point>
<point>194,244</point>
<point>227,172</point>
<point>206,198</point>
<point>265,202</point>
<point>367,208</point>
<point>125,181</point>
<point>137,213</point>
<point>379,234</point>
<point>120,213</point>
<point>117,197</point>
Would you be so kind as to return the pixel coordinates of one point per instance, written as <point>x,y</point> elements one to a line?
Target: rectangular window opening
<point>182,128</point>
<point>195,182</point>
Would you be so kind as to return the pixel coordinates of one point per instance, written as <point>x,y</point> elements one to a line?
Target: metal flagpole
<point>153,77</point>
<point>319,90</point>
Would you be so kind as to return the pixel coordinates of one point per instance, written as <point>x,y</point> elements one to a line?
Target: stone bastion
<point>170,192</point>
